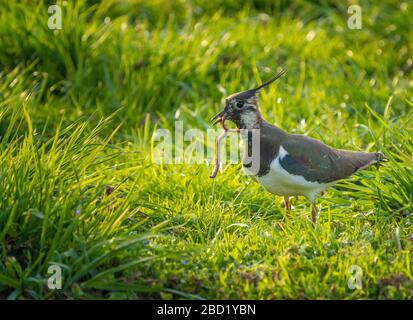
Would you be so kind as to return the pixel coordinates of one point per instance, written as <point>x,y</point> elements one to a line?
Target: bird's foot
<point>287,204</point>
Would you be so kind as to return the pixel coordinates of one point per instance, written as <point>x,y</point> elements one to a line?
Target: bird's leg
<point>287,207</point>
<point>313,212</point>
<point>287,203</point>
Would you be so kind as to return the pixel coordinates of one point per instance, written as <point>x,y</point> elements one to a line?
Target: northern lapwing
<point>290,164</point>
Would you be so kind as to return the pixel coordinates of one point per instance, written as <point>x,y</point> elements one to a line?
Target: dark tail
<point>380,157</point>
<point>361,160</point>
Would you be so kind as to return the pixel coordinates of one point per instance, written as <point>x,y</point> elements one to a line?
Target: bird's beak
<point>218,118</point>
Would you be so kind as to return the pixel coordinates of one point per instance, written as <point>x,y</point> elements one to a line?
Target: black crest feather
<point>245,95</point>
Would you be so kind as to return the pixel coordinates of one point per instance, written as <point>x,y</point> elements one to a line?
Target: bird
<point>288,164</point>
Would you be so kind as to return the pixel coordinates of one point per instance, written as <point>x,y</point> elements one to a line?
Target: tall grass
<point>63,202</point>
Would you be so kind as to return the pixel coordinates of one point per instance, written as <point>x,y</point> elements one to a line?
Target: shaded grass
<point>82,192</point>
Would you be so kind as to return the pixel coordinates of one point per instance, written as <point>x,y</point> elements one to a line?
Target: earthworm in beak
<point>217,153</point>
<point>219,118</point>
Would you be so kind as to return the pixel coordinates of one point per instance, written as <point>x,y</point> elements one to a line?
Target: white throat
<point>249,120</point>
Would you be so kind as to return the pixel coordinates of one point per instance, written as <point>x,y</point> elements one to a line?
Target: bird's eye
<point>239,104</point>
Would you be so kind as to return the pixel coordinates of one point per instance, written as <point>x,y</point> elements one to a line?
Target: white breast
<point>282,183</point>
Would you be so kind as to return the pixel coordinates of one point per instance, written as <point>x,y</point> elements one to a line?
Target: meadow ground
<point>79,106</point>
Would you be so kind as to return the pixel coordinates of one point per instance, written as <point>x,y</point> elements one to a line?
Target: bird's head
<point>242,107</point>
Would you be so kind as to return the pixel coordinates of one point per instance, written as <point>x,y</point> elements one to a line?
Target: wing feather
<point>318,162</point>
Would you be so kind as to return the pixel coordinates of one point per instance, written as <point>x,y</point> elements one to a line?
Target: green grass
<point>78,108</point>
